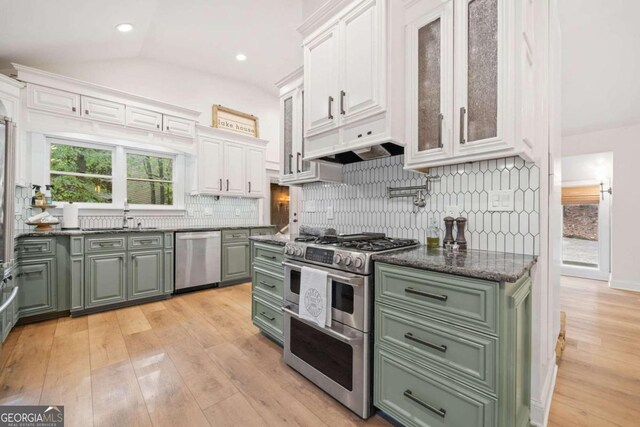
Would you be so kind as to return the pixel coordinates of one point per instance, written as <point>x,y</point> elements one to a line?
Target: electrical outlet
<point>501,201</point>
<point>330,212</point>
<point>208,211</point>
<point>237,212</point>
<point>452,211</point>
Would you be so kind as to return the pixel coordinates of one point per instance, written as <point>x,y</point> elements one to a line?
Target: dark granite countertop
<point>83,232</point>
<point>487,265</point>
<point>276,239</point>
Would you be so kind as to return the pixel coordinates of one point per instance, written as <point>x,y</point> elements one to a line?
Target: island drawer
<point>462,354</point>
<point>269,283</point>
<point>471,303</point>
<point>268,254</point>
<point>267,316</point>
<point>263,231</point>
<point>419,397</point>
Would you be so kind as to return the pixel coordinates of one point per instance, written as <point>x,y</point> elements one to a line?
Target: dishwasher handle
<point>197,236</point>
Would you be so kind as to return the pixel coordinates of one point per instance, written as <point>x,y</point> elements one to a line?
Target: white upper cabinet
<point>210,153</point>
<point>100,109</point>
<point>429,66</point>
<point>293,168</point>
<point>235,167</point>
<point>57,101</point>
<point>321,71</point>
<point>229,164</point>
<point>361,82</point>
<point>482,77</point>
<point>463,66</point>
<point>143,119</point>
<point>178,126</point>
<point>353,92</point>
<point>256,173</point>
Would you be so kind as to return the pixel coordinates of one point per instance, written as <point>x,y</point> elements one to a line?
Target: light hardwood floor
<point>598,381</point>
<point>196,359</point>
<point>192,360</point>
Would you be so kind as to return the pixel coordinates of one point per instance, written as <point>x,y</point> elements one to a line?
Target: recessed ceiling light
<point>241,57</point>
<point>124,28</point>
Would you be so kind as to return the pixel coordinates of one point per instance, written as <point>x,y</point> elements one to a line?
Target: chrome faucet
<point>125,215</point>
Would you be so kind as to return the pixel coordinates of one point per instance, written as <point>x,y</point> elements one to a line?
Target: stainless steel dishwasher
<point>197,260</point>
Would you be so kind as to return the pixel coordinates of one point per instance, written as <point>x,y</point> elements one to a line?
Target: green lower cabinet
<point>146,274</point>
<point>452,363</point>
<point>268,317</point>
<point>168,271</point>
<point>37,287</point>
<point>418,397</point>
<point>105,279</point>
<point>10,313</point>
<point>236,261</point>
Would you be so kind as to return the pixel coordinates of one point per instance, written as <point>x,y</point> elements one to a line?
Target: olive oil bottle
<point>433,235</point>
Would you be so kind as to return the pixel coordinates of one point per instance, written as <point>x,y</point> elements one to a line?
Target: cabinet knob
<point>86,112</point>
<point>157,126</point>
<point>73,109</point>
<point>167,127</point>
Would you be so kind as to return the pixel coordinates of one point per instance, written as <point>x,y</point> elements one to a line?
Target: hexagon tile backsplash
<point>360,203</point>
<point>199,211</point>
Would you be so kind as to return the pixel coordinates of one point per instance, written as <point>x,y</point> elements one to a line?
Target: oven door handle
<point>328,331</point>
<point>349,279</point>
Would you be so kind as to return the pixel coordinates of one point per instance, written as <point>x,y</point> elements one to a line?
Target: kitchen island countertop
<point>479,264</point>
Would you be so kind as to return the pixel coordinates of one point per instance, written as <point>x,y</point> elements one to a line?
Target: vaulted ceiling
<point>201,34</point>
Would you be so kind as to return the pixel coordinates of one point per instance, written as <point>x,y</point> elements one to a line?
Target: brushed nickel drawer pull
<point>439,412</point>
<point>101,244</point>
<point>32,248</point>
<point>268,285</point>
<point>426,294</point>
<point>265,315</point>
<point>410,336</point>
<point>268,256</point>
<point>144,242</point>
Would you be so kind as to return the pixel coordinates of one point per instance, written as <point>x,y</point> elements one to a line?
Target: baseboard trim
<point>540,410</point>
<point>625,285</point>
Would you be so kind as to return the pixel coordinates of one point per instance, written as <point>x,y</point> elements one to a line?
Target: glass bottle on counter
<point>433,235</point>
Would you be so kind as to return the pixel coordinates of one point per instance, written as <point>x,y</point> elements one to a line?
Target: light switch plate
<point>452,211</point>
<point>329,212</point>
<point>237,212</point>
<point>501,201</point>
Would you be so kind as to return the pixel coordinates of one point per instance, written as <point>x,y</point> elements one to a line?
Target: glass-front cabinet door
<point>287,132</point>
<point>429,68</point>
<point>482,77</point>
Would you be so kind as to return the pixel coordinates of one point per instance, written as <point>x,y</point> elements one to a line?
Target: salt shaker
<point>448,234</point>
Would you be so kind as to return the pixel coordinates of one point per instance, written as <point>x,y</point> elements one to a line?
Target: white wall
<point>587,167</point>
<point>624,143</point>
<point>185,87</point>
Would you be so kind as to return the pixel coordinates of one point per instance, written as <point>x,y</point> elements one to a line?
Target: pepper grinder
<point>448,234</point>
<point>461,223</point>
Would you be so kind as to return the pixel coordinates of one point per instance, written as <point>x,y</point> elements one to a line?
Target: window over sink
<point>102,176</point>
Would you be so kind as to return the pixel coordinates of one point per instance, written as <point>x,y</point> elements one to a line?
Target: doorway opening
<point>586,215</point>
<point>280,199</point>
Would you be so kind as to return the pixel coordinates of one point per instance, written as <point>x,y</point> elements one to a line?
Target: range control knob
<point>298,252</point>
<point>337,259</point>
<point>347,261</point>
<point>359,262</point>
<point>288,250</point>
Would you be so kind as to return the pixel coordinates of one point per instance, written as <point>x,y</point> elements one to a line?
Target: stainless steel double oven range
<point>336,358</point>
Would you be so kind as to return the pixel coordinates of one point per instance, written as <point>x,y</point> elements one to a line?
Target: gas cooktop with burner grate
<point>348,252</point>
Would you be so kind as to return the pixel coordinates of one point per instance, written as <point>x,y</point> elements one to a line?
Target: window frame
<point>119,176</point>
